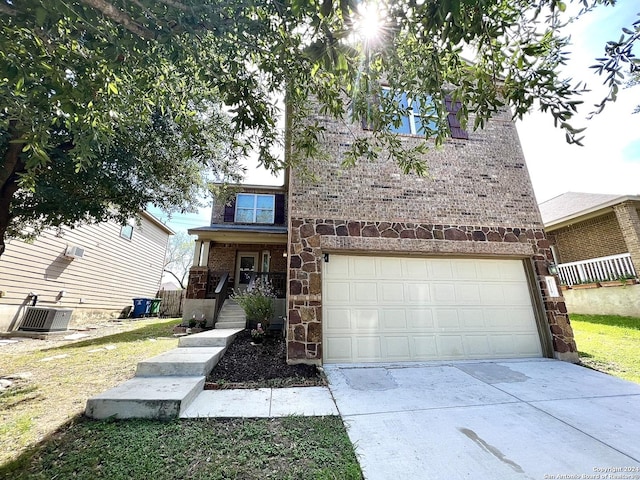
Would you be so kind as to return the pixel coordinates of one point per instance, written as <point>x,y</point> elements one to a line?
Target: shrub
<point>257,302</point>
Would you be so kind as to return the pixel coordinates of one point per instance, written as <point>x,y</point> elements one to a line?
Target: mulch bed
<point>245,365</point>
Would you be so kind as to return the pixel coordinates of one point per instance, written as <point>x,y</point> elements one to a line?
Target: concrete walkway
<point>262,402</point>
<point>513,419</point>
<point>170,385</point>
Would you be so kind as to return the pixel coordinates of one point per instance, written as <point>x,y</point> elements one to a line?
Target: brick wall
<point>476,200</point>
<point>222,256</point>
<point>593,238</point>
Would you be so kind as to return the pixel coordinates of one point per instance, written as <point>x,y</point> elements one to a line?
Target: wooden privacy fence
<point>172,300</point>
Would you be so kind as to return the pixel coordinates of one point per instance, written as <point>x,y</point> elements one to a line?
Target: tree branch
<point>4,8</point>
<point>120,17</point>
<point>176,277</point>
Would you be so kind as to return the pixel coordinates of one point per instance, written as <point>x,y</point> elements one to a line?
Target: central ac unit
<point>40,319</point>
<point>73,251</point>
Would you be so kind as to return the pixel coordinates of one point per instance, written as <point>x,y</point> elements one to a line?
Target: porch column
<point>627,215</point>
<point>204,256</point>
<point>196,254</point>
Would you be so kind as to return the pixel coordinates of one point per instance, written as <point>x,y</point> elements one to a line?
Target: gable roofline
<point>588,210</point>
<point>156,222</point>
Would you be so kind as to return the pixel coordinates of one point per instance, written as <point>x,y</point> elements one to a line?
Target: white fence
<point>599,269</point>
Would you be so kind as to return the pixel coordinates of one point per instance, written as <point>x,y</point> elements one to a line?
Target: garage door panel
<point>395,319</point>
<point>492,294</point>
<point>390,268</point>
<point>419,319</point>
<point>364,292</point>
<point>418,293</point>
<point>338,349</point>
<point>337,319</point>
<point>396,348</point>
<point>338,267</point>
<point>516,345</point>
<point>337,292</point>
<point>447,319</point>
<point>419,309</point>
<point>526,343</point>
<point>367,348</point>
<point>391,292</point>
<point>441,269</point>
<point>364,267</point>
<point>450,346</point>
<point>471,318</point>
<point>467,294</point>
<point>424,347</point>
<point>444,293</point>
<point>415,268</point>
<point>478,345</point>
<point>366,320</point>
<point>516,295</point>
<point>464,270</point>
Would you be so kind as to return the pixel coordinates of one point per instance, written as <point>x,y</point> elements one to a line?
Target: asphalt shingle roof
<point>573,203</point>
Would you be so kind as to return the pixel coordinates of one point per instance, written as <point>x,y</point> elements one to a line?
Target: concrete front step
<point>231,325</point>
<point>220,337</point>
<point>184,361</point>
<point>146,397</point>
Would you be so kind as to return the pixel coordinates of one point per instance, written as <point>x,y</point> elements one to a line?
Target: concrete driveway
<point>514,419</point>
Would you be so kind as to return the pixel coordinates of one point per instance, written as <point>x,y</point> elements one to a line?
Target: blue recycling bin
<point>141,307</point>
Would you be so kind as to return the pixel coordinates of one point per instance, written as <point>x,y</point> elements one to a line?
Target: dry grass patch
<point>52,380</point>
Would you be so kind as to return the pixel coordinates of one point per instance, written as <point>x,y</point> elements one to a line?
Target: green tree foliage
<point>89,71</point>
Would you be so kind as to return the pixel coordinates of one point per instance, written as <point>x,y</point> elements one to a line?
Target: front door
<point>246,264</point>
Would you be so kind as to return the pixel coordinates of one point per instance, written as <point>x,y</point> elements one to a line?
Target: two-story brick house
<point>383,266</point>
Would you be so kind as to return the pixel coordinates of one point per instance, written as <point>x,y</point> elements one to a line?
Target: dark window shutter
<point>278,216</point>
<point>454,124</point>
<point>230,211</point>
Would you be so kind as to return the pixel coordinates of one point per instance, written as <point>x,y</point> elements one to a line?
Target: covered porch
<point>234,257</point>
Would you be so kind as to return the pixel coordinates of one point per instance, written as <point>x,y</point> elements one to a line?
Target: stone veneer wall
<point>477,200</point>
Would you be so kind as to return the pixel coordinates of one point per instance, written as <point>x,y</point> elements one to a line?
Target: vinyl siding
<point>113,271</point>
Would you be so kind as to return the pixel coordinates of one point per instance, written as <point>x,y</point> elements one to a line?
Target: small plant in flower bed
<point>247,365</point>
<point>257,302</point>
<point>257,334</point>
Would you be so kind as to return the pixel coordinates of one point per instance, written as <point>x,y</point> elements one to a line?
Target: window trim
<point>124,235</point>
<point>411,114</point>
<point>255,208</point>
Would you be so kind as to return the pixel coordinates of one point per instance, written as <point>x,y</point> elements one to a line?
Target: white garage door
<point>412,309</point>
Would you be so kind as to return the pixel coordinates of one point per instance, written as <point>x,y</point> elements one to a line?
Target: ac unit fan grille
<point>41,319</point>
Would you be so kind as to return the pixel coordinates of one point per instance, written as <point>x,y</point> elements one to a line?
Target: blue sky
<point>610,160</point>
<point>608,163</point>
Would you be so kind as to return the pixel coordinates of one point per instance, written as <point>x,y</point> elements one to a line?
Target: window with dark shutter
<point>279,214</point>
<point>454,124</point>
<point>230,211</point>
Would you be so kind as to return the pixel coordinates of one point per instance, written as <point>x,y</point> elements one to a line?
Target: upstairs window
<point>255,208</point>
<point>413,119</point>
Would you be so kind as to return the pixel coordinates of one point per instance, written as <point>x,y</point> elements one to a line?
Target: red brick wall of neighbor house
<point>222,256</point>
<point>217,212</point>
<point>593,238</point>
<point>477,199</point>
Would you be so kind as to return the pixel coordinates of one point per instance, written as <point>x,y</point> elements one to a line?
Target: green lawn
<point>53,382</point>
<point>286,448</point>
<point>609,343</point>
<point>44,436</point>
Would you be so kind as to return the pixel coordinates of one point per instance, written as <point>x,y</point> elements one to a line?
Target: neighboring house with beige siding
<point>118,263</point>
